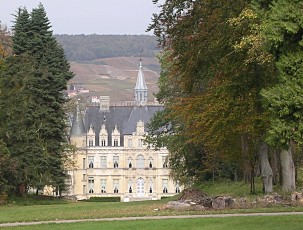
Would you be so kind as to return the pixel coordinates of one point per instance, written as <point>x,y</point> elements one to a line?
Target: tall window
<point>91,182</point>
<point>103,185</point>
<point>130,186</point>
<point>164,161</point>
<point>129,162</point>
<point>151,185</point>
<point>91,162</point>
<point>116,185</point>
<point>84,163</point>
<point>103,162</point>
<point>90,142</point>
<point>140,161</point>
<point>103,142</point>
<point>116,142</point>
<point>116,161</point>
<point>140,142</point>
<point>84,177</point>
<point>150,162</point>
<point>165,185</point>
<point>84,189</point>
<point>130,143</point>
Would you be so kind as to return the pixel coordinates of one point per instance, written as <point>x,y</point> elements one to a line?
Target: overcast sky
<point>88,16</point>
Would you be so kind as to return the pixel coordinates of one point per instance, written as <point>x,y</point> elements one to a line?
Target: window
<point>130,185</point>
<point>164,185</point>
<point>140,143</point>
<point>90,142</point>
<point>164,160</point>
<point>116,161</point>
<point>84,163</point>
<point>116,142</point>
<point>103,185</point>
<point>140,161</point>
<point>91,162</point>
<point>103,162</point>
<point>84,189</point>
<point>130,143</point>
<point>150,160</point>
<point>84,177</point>
<point>103,142</point>
<point>116,185</point>
<point>130,165</point>
<point>91,182</point>
<point>151,185</point>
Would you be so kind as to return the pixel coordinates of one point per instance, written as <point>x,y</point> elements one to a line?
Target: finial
<point>141,51</point>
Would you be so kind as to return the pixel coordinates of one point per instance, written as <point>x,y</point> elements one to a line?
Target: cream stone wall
<point>140,168</point>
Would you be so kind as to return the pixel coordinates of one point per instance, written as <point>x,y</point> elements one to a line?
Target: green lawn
<point>93,210</point>
<point>234,223</point>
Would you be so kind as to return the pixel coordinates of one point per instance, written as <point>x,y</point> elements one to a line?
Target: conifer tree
<point>38,73</point>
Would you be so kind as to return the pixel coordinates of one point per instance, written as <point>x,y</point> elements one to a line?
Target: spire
<point>77,125</point>
<point>141,88</point>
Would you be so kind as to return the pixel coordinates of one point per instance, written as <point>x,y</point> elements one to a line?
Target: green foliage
<point>32,100</point>
<point>282,29</point>
<point>30,200</point>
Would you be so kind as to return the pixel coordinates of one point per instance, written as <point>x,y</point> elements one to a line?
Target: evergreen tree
<point>39,73</point>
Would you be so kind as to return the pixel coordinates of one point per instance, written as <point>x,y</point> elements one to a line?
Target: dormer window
<point>116,142</point>
<point>116,137</point>
<point>103,136</point>
<point>103,142</point>
<point>91,136</point>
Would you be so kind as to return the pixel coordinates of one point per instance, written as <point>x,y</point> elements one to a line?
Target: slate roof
<point>77,128</point>
<point>124,117</point>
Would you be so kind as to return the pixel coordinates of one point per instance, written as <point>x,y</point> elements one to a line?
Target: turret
<point>141,88</point>
<point>77,133</point>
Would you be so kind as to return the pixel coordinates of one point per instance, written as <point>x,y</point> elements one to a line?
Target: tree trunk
<point>288,170</point>
<point>275,166</point>
<point>266,170</point>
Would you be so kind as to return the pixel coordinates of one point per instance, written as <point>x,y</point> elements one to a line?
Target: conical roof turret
<point>140,85</point>
<point>77,128</point>
<point>141,88</point>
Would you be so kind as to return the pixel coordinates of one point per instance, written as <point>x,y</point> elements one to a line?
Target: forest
<point>90,47</point>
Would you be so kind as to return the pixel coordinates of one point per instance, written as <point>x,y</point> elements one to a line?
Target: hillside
<point>115,77</point>
<point>91,47</point>
<point>108,64</point>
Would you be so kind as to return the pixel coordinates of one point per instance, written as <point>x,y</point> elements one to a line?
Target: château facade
<point>112,159</point>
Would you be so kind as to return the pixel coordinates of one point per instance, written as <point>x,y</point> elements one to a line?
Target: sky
<point>88,16</point>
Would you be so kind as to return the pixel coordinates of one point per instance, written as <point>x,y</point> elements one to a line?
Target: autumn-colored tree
<point>216,100</point>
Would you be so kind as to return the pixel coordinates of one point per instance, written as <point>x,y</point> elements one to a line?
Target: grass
<point>26,210</point>
<point>93,210</point>
<point>235,223</point>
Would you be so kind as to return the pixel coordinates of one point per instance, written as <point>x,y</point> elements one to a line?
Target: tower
<point>77,133</point>
<point>141,88</point>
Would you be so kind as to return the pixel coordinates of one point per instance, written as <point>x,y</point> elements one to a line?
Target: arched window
<point>140,161</point>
